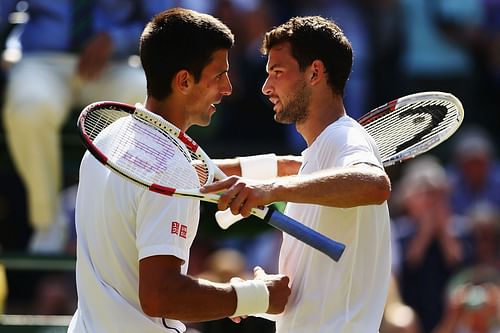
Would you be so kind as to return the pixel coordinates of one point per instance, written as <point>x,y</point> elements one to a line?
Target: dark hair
<point>315,38</point>
<point>178,39</point>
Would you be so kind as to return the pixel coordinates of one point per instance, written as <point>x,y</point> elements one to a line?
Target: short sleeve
<point>166,225</point>
<point>348,145</point>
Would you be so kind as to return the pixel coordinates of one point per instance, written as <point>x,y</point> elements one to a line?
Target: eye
<point>220,76</point>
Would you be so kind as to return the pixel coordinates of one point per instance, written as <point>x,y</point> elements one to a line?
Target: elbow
<point>153,303</point>
<point>382,190</point>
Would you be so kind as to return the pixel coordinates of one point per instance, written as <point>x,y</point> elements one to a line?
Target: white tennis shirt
<point>346,296</point>
<point>118,223</point>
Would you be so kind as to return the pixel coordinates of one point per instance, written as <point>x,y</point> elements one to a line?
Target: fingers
<point>236,279</point>
<point>238,194</point>
<point>236,199</point>
<point>259,273</point>
<point>279,291</point>
<point>231,196</point>
<point>219,185</point>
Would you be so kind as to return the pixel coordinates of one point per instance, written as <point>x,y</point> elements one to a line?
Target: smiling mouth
<point>275,105</point>
<point>274,100</point>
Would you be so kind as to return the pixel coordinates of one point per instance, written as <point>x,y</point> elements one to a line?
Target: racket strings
<point>97,120</point>
<point>140,150</point>
<point>201,168</point>
<point>417,125</point>
<point>183,142</point>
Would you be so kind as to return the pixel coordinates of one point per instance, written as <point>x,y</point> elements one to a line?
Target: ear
<point>317,72</point>
<point>183,81</point>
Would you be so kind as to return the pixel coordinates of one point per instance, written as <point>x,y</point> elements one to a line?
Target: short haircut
<point>178,39</point>
<point>315,38</point>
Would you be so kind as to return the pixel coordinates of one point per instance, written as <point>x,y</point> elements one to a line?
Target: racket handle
<point>305,234</point>
<point>290,226</point>
<point>225,218</point>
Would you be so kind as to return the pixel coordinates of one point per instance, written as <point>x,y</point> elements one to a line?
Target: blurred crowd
<point>445,206</point>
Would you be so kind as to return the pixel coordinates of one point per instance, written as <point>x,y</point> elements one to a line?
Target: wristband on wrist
<point>252,297</point>
<point>259,166</point>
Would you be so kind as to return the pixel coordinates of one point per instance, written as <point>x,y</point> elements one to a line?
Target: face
<point>476,170</point>
<point>286,86</point>
<point>208,91</point>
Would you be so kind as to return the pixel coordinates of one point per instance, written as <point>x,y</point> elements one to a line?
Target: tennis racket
<point>148,150</point>
<point>402,129</point>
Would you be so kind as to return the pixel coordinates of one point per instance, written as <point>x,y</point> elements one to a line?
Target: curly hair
<point>315,38</point>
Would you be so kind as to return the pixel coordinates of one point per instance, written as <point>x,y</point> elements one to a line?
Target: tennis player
<point>340,190</point>
<point>133,244</point>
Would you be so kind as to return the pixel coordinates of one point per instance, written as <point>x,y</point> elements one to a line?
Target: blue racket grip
<point>305,234</point>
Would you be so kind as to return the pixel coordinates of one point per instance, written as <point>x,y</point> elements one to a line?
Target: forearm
<point>230,166</point>
<point>285,165</point>
<point>190,299</point>
<point>343,188</point>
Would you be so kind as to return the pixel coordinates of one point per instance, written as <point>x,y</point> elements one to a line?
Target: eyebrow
<point>273,67</point>
<point>222,72</point>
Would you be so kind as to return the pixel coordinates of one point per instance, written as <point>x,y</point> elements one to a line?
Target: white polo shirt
<point>346,296</point>
<point>118,223</point>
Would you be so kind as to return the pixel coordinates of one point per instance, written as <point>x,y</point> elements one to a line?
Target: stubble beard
<point>296,110</point>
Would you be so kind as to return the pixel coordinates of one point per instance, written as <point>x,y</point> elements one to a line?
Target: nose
<point>266,87</point>
<point>227,87</point>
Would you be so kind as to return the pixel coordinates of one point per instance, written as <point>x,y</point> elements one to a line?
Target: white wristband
<point>259,166</point>
<point>252,297</point>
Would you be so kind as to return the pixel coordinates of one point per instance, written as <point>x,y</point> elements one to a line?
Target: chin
<point>205,121</point>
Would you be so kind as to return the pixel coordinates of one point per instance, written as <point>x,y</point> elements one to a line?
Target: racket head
<point>412,125</point>
<point>143,147</point>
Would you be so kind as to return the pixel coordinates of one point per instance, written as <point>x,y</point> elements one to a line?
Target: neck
<point>324,110</point>
<point>169,110</point>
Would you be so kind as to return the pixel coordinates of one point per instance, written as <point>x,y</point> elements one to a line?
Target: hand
<point>277,284</point>
<point>95,57</point>
<point>241,194</point>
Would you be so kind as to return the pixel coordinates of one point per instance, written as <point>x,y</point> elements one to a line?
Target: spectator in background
<point>485,231</point>
<point>473,297</point>
<point>438,50</point>
<point>488,60</point>
<point>73,53</point>
<point>432,239</point>
<point>384,22</point>
<point>473,303</point>
<point>474,172</point>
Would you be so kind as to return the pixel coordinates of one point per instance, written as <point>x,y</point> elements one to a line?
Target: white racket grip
<point>225,218</point>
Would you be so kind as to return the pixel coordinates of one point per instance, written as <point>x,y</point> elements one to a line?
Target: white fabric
<point>42,89</point>
<point>346,296</point>
<point>259,166</point>
<point>252,297</point>
<point>118,223</point>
